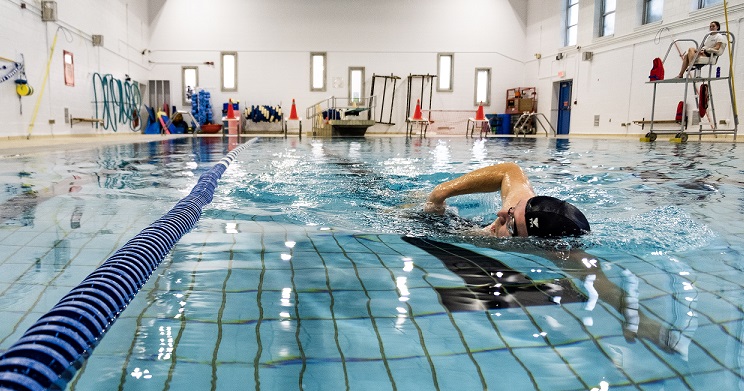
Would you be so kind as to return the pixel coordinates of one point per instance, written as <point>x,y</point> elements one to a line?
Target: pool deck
<point>23,145</point>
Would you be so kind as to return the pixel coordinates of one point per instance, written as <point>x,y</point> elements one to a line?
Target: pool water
<point>314,267</point>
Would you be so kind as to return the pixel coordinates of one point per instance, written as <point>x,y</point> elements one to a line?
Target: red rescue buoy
<point>703,100</point>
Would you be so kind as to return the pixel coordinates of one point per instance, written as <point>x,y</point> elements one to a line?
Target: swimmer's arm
<point>507,178</point>
<point>587,267</point>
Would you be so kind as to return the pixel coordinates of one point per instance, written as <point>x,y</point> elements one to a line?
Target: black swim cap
<point>550,217</point>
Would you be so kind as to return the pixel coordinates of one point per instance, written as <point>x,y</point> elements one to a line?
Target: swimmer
<point>523,212</point>
<point>526,214</point>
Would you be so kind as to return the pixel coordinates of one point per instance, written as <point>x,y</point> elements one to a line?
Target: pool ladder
<point>523,125</point>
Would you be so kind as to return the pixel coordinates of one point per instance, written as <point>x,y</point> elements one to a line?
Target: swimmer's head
<point>550,217</point>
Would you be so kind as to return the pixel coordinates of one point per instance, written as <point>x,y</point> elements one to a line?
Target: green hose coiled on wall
<point>120,102</point>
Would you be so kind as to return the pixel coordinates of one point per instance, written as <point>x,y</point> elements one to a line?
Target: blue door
<point>564,107</point>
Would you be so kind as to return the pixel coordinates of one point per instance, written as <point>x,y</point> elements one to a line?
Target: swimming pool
<point>313,267</point>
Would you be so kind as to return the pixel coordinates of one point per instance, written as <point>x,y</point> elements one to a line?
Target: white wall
<point>274,40</point>
<point>125,31</point>
<point>613,84</point>
<point>153,39</point>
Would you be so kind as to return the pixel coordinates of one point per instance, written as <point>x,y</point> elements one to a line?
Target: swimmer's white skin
<point>506,178</point>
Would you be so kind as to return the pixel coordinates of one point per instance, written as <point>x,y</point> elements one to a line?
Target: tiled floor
<point>217,314</point>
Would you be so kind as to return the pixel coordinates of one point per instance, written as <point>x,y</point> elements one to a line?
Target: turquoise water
<point>314,267</point>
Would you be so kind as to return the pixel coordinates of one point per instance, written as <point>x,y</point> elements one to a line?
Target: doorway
<point>564,106</point>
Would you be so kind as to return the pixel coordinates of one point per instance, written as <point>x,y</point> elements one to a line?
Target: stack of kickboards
<point>266,113</point>
<point>201,107</point>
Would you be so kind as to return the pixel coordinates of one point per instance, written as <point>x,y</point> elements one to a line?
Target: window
<point>483,86</point>
<point>572,21</point>
<point>652,10</point>
<point>607,19</point>
<point>445,69</point>
<point>356,85</point>
<point>317,71</point>
<point>189,81</point>
<point>229,71</point>
<point>708,3</point>
<point>69,68</point>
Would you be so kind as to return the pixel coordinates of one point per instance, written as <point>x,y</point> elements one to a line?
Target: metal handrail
<point>674,43</point>
<point>522,121</point>
<point>543,126</point>
<point>333,102</point>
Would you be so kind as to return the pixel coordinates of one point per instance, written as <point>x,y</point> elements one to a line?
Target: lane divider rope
<point>51,351</point>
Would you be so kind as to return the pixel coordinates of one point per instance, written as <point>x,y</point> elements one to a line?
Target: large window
<point>356,84</point>
<point>572,21</point>
<point>317,71</point>
<point>229,71</point>
<point>652,10</point>
<point>483,86</point>
<point>445,70</point>
<point>607,19</point>
<point>708,3</point>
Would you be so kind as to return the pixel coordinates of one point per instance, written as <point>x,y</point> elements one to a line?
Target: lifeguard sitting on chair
<point>711,48</point>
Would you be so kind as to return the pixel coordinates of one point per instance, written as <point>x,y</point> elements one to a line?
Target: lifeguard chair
<point>702,92</point>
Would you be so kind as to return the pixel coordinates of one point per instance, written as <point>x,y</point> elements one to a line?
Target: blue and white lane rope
<point>56,346</point>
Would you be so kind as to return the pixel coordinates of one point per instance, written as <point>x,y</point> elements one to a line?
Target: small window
<point>356,85</point>
<point>229,71</point>
<point>607,19</point>
<point>652,10</point>
<point>708,3</point>
<point>483,86</point>
<point>317,71</point>
<point>189,81</point>
<point>69,68</point>
<point>445,70</point>
<point>572,21</point>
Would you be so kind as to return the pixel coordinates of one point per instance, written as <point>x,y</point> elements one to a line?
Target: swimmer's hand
<point>435,203</point>
<point>434,207</point>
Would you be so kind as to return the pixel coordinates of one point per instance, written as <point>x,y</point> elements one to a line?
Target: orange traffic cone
<point>230,110</point>
<point>417,112</point>
<point>293,113</point>
<point>479,113</point>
